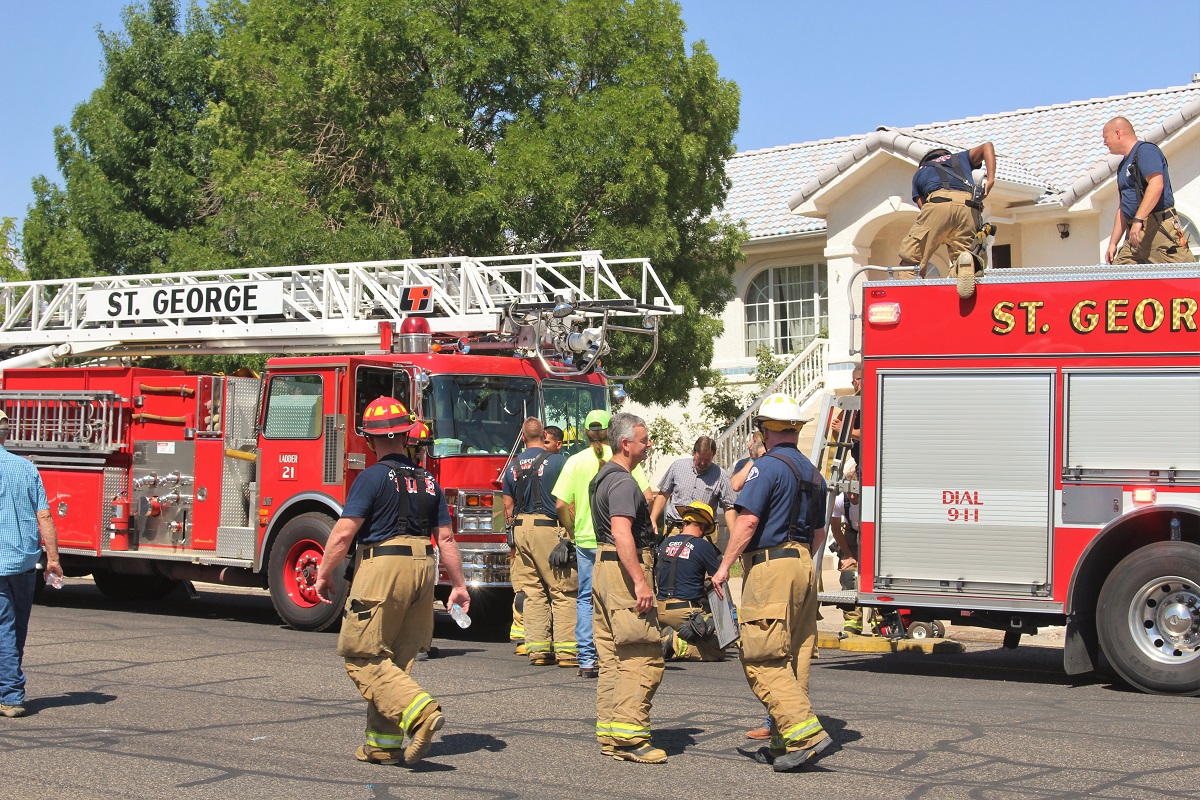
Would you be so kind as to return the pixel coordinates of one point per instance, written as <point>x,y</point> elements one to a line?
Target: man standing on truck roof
<point>390,511</point>
<point>951,206</point>
<point>22,501</point>
<point>549,607</point>
<point>1146,214</point>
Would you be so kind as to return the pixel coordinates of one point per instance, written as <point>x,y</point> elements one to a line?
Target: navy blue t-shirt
<point>927,179</point>
<point>768,494</point>
<point>547,476</point>
<point>1150,162</point>
<point>375,498</point>
<point>694,558</point>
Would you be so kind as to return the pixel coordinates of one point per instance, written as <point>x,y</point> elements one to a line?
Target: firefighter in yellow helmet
<point>391,509</point>
<point>684,559</point>
<point>781,512</point>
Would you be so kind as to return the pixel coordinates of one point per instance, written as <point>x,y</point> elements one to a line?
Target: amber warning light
<point>1144,496</point>
<point>883,313</point>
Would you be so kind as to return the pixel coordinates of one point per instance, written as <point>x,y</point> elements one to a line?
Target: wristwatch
<point>1138,219</point>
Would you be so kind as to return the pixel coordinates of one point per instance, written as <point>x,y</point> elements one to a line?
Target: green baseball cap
<point>597,420</point>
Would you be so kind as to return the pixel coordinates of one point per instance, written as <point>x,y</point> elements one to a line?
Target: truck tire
<point>292,570</point>
<point>132,588</point>
<point>1148,618</point>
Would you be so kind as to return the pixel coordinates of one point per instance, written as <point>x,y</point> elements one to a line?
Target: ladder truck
<point>1031,457</point>
<point>157,476</point>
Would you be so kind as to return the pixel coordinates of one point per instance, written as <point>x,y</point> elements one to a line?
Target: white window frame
<point>813,306</point>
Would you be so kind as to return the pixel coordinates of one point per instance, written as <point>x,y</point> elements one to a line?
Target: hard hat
<point>698,512</point>
<point>934,153</point>
<point>779,412</point>
<point>387,416</point>
<point>3,417</point>
<point>597,420</point>
<point>420,435</point>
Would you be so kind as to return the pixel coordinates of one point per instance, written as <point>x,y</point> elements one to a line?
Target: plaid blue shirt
<point>21,497</point>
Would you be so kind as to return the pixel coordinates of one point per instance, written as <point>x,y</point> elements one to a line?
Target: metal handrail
<point>801,379</point>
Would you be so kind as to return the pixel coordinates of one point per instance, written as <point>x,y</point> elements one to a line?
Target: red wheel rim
<point>300,572</point>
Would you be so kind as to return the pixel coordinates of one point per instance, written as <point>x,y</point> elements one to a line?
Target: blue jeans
<point>583,608</point>
<point>16,602</point>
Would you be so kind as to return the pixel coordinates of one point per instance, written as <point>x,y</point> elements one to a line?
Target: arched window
<point>785,308</point>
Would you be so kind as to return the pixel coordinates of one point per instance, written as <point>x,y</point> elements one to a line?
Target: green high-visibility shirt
<point>572,487</point>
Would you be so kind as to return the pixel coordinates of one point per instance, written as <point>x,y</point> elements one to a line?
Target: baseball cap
<point>597,419</point>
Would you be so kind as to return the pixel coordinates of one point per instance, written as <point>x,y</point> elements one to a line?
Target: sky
<point>807,69</point>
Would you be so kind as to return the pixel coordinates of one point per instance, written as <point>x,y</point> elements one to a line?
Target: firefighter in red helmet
<point>391,509</point>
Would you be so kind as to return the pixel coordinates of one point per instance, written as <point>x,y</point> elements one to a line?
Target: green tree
<point>131,161</point>
<point>10,251</point>
<point>285,131</point>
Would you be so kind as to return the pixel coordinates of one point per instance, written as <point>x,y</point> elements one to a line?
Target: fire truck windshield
<point>567,405</point>
<point>474,414</point>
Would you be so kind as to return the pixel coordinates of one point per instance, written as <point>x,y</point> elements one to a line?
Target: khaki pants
<point>778,624</point>
<point>388,616</point>
<point>672,614</point>
<point>953,224</point>
<point>549,614</point>
<point>522,580</point>
<point>1159,245</point>
<point>630,651</point>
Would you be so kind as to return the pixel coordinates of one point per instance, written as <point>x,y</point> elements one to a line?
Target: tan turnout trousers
<point>672,614</point>
<point>778,625</point>
<point>388,616</point>
<point>550,592</point>
<point>629,649</point>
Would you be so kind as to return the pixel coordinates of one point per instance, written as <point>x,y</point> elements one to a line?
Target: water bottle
<point>54,581</point>
<point>460,616</point>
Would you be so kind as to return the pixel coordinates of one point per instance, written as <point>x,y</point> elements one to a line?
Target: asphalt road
<point>213,698</point>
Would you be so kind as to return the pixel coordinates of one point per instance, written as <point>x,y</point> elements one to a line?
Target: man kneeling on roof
<point>684,560</point>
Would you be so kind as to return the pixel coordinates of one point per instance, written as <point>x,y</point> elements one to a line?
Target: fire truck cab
<point>1031,456</point>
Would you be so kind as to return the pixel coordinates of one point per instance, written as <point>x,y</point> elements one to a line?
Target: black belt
<point>674,604</point>
<point>771,555</point>
<point>540,522</point>
<point>391,550</point>
<point>611,555</point>
<point>1164,215</point>
<point>968,203</point>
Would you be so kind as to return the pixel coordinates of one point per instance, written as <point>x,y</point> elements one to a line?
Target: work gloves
<point>563,555</point>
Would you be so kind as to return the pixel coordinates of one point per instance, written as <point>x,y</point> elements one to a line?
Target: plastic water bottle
<point>460,616</point>
<point>54,581</point>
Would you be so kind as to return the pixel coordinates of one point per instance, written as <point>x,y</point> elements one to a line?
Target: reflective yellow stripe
<point>603,728</point>
<point>537,647</point>
<point>621,730</point>
<point>409,718</point>
<point>804,730</point>
<point>387,741</point>
<point>516,632</point>
<point>681,647</point>
<point>566,647</point>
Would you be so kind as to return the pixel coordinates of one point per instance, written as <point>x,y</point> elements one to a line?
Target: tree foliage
<point>265,132</point>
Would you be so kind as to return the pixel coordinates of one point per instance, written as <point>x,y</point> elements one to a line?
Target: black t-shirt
<point>614,492</point>
<point>693,558</point>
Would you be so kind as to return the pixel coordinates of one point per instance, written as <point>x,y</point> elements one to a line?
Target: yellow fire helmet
<point>700,513</point>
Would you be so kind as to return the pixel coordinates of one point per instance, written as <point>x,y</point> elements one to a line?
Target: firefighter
<point>549,607</point>
<point>780,513</point>
<point>684,559</point>
<point>1146,212</point>
<point>390,511</point>
<point>951,210</point>
<point>626,617</point>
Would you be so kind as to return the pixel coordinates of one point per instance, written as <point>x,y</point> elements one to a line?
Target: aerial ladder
<point>559,305</point>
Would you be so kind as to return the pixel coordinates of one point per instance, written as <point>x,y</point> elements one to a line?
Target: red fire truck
<point>1031,457</point>
<point>157,476</point>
